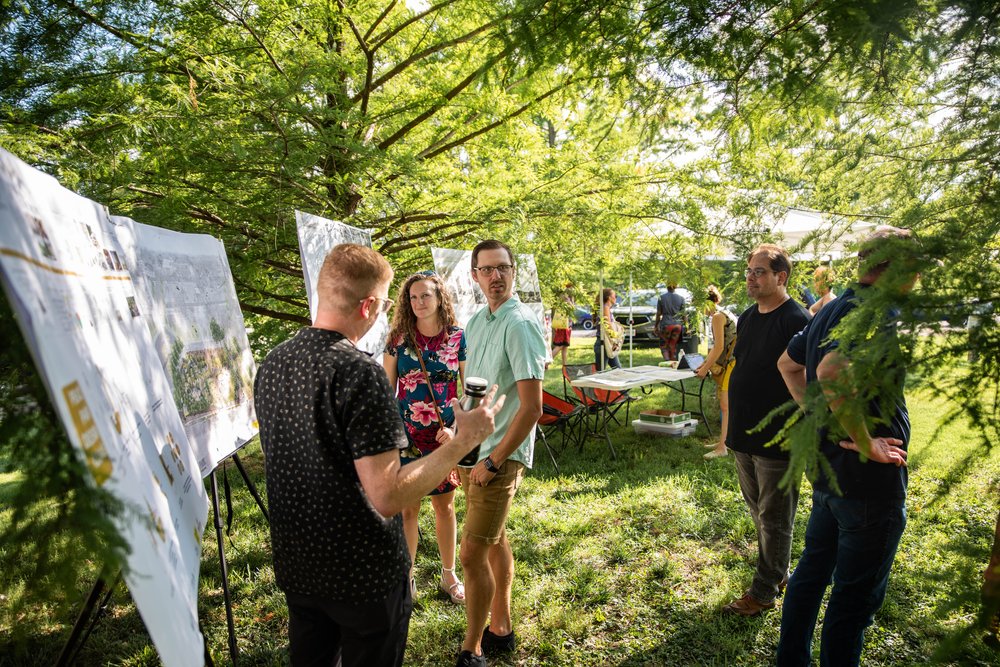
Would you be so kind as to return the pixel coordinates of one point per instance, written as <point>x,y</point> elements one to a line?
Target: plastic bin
<point>671,430</point>
<point>665,416</point>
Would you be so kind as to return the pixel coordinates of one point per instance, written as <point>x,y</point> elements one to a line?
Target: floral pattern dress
<point>442,354</point>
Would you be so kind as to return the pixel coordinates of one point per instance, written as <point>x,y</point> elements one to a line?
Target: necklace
<point>424,342</point>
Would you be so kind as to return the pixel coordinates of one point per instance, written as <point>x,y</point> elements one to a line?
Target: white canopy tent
<point>810,235</point>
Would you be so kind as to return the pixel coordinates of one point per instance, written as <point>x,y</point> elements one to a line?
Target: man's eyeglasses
<point>757,273</point>
<point>503,270</point>
<point>385,304</point>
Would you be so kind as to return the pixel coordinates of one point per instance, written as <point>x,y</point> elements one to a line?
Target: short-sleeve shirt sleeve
<point>797,347</point>
<point>526,351</point>
<point>370,415</point>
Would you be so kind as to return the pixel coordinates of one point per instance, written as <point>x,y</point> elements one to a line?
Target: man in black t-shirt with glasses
<point>331,434</point>
<point>755,389</point>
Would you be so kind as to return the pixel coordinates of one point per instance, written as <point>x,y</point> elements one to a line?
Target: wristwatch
<point>488,462</point>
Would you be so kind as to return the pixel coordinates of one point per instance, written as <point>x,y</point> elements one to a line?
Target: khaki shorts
<point>487,507</point>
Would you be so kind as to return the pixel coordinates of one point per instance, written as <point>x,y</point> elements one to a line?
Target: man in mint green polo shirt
<point>506,347</point>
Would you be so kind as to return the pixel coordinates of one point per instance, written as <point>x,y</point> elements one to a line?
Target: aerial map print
<point>185,290</point>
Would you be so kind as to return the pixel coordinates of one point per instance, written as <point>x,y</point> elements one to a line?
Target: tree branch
<point>418,56</point>
<point>450,95</point>
<point>389,34</point>
<point>266,312</point>
<point>253,33</point>
<point>381,17</point>
<point>494,124</point>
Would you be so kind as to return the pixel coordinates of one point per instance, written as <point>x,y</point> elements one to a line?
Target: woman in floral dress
<point>424,323</point>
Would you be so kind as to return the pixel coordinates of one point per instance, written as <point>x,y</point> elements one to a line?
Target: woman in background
<point>562,321</point>
<point>606,299</point>
<point>425,360</point>
<point>720,362</point>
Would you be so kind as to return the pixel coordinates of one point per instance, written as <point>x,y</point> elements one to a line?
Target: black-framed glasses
<point>502,269</point>
<point>757,273</point>
<point>385,304</point>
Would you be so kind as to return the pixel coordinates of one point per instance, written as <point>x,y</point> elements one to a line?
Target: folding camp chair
<point>602,403</point>
<point>562,416</point>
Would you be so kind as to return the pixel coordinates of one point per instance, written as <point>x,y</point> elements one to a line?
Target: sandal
<point>455,592</point>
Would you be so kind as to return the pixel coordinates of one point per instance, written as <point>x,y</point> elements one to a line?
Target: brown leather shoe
<point>747,606</point>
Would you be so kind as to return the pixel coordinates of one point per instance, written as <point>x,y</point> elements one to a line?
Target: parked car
<point>639,313</point>
<point>583,318</point>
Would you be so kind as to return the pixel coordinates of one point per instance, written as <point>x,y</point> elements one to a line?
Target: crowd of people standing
<point>351,448</point>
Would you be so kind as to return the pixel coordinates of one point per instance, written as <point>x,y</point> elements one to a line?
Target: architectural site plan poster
<point>317,237</point>
<point>455,269</point>
<point>71,286</point>
<point>184,289</point>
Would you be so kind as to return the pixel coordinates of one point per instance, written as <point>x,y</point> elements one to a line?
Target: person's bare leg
<point>724,410</point>
<point>410,532</point>
<point>564,350</point>
<point>479,590</point>
<point>445,526</point>
<point>502,565</point>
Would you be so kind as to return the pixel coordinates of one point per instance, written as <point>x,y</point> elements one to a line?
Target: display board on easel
<point>317,237</point>
<point>184,288</point>
<point>70,282</point>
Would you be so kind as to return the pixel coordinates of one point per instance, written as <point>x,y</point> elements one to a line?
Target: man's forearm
<point>794,375</point>
<point>415,480</point>
<point>831,374</point>
<point>520,427</point>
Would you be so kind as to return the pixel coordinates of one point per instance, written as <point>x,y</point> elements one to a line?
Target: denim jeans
<point>853,541</point>
<point>600,356</point>
<point>773,512</point>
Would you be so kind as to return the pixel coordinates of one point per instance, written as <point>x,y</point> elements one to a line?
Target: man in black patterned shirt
<point>331,431</point>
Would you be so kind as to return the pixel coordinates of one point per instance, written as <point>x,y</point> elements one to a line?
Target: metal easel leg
<point>233,649</point>
<point>87,620</point>
<point>251,486</point>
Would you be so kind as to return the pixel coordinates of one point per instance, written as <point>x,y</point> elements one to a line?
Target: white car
<point>639,312</point>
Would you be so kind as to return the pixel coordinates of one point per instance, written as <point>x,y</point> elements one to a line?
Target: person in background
<point>720,362</point>
<point>669,323</point>
<point>331,435</point>
<point>606,300</point>
<point>424,324</point>
<point>562,321</point>
<point>755,390</point>
<point>823,282</point>
<point>506,346</point>
<point>859,500</point>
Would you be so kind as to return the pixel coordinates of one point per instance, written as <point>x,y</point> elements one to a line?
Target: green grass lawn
<point>622,562</point>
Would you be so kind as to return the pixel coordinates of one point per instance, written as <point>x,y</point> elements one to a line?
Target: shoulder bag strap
<point>728,352</point>
<point>427,379</point>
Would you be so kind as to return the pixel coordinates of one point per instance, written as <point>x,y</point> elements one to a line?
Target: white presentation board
<point>455,269</point>
<point>185,291</point>
<point>317,237</point>
<point>70,284</point>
